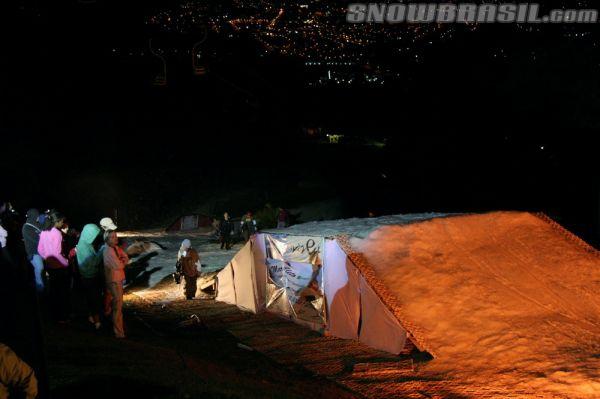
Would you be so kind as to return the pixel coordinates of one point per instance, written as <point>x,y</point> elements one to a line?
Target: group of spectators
<point>41,260</point>
<point>61,257</point>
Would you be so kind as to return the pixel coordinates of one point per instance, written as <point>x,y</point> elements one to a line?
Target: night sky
<point>497,118</point>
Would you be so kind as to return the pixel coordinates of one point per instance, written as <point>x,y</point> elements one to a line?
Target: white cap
<point>186,244</point>
<point>107,224</point>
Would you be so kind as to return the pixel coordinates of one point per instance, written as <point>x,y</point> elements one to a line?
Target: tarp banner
<point>295,248</point>
<point>295,276</point>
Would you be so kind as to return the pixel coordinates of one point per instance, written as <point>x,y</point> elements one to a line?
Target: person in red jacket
<point>190,263</point>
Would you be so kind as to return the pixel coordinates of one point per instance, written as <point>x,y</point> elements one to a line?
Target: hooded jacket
<point>190,261</point>
<point>31,233</point>
<point>88,259</point>
<point>50,248</point>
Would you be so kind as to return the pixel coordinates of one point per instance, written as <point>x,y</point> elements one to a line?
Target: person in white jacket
<point>115,260</point>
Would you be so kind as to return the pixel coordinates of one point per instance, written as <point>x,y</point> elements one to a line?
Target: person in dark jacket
<point>20,326</point>
<point>282,219</point>
<point>225,228</point>
<point>45,221</point>
<point>31,237</point>
<point>190,262</point>
<point>248,226</point>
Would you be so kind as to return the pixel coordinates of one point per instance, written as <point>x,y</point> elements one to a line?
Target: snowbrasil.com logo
<point>464,13</point>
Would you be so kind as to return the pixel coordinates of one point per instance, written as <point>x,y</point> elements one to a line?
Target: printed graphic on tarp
<point>295,248</point>
<point>292,276</point>
<point>295,277</point>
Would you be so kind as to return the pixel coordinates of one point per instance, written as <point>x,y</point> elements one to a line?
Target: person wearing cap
<point>115,260</point>
<point>107,224</point>
<point>189,260</point>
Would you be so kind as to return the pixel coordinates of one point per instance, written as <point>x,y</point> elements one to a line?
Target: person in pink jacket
<point>50,248</point>
<point>115,260</point>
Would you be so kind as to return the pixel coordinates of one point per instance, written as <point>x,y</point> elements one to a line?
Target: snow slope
<point>356,227</point>
<point>162,264</point>
<point>505,300</point>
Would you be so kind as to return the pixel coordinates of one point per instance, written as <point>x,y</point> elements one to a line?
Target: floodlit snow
<point>162,265</point>
<point>504,300</point>
<point>356,227</point>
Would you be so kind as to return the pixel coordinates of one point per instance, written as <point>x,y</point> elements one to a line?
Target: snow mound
<point>138,248</point>
<point>504,299</point>
<point>356,227</point>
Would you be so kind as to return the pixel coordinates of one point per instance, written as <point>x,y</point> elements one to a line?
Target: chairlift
<point>161,79</point>
<point>199,68</point>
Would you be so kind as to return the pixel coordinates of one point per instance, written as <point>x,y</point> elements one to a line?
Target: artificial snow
<point>162,248</point>
<point>504,299</point>
<point>356,227</point>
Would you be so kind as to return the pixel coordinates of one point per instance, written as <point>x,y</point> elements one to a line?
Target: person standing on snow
<point>282,219</point>
<point>50,248</point>
<point>90,269</point>
<point>107,224</point>
<point>189,260</point>
<point>225,228</point>
<point>115,260</point>
<point>31,237</point>
<point>248,226</point>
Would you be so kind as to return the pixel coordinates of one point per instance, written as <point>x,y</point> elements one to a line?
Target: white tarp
<point>294,279</point>
<point>260,269</point>
<point>225,287</point>
<point>379,328</point>
<point>303,249</point>
<point>243,278</point>
<point>342,292</point>
<point>236,282</point>
<point>312,281</point>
